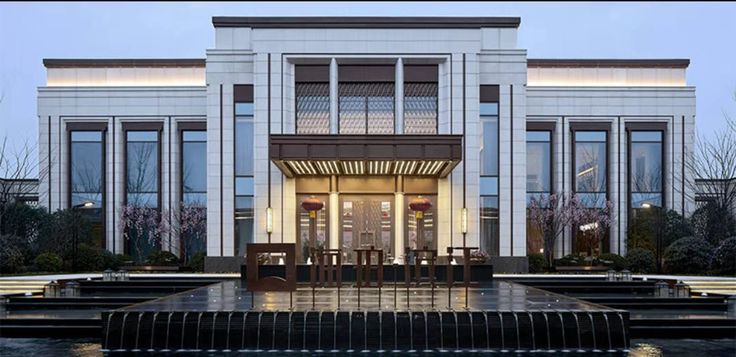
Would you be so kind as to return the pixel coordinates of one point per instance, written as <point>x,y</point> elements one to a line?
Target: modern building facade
<point>365,114</point>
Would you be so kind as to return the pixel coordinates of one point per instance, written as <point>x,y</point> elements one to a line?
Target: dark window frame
<point>182,127</point>
<point>246,98</point>
<point>138,127</point>
<point>646,126</point>
<point>489,94</point>
<point>590,127</point>
<point>100,127</point>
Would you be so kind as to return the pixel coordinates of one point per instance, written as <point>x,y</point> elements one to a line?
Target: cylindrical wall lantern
<point>71,289</point>
<point>661,289</point>
<point>464,220</point>
<point>269,220</point>
<point>51,289</point>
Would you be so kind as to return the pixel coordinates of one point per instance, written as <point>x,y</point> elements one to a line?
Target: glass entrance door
<point>366,220</point>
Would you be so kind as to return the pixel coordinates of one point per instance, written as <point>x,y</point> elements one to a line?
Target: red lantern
<point>420,205</point>
<point>312,204</point>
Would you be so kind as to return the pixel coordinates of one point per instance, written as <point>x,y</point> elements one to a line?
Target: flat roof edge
<point>122,62</point>
<point>631,63</point>
<point>364,22</point>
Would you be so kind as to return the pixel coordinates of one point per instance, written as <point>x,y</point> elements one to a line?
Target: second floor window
<point>143,168</point>
<point>366,108</point>
<point>645,163</point>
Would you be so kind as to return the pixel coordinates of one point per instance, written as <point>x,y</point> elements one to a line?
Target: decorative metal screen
<point>366,108</point>
<point>420,108</point>
<point>312,108</point>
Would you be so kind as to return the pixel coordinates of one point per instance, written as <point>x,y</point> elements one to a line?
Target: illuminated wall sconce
<point>464,220</point>
<point>269,220</point>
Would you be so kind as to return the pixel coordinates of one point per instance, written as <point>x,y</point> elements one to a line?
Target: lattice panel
<point>420,108</point>
<point>366,108</point>
<point>312,108</point>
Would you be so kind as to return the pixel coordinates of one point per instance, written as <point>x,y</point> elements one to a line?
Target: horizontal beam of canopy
<point>316,155</point>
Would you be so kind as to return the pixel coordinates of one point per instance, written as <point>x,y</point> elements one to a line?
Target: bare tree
<point>18,169</point>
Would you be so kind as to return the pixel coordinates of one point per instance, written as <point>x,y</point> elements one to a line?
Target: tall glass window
<point>142,184</point>
<point>366,108</point>
<point>645,165</point>
<point>489,226</point>
<point>538,178</point>
<point>193,192</point>
<point>591,160</point>
<point>590,184</point>
<point>244,186</point>
<point>87,179</point>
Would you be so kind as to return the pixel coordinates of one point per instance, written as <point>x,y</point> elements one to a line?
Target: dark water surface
<point>26,347</point>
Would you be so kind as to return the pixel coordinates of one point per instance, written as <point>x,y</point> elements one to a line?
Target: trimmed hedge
<point>614,261</point>
<point>641,260</point>
<point>687,255</point>
<point>162,257</point>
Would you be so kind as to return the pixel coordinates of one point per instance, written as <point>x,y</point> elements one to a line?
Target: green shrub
<point>641,260</point>
<point>197,261</point>
<point>89,258</point>
<point>50,262</point>
<point>571,260</point>
<point>114,261</point>
<point>614,261</point>
<point>536,262</point>
<point>11,256</point>
<point>724,257</point>
<point>687,255</point>
<point>162,257</point>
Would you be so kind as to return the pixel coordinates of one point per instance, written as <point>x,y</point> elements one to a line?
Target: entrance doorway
<point>365,221</point>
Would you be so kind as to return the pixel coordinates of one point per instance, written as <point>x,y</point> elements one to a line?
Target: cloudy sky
<point>702,32</point>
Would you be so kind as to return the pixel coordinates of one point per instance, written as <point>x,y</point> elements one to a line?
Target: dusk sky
<point>702,32</point>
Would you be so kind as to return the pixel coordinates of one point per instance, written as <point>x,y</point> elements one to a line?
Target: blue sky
<point>703,32</point>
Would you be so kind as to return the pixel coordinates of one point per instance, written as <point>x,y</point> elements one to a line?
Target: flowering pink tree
<point>190,225</point>
<point>551,215</point>
<point>593,223</point>
<point>142,227</point>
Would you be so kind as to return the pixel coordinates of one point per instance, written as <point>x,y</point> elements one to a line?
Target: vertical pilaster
<point>333,97</point>
<point>399,95</point>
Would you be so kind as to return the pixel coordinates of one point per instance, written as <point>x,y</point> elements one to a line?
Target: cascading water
<point>153,329</point>
<point>518,338</point>
<point>546,322</point>
<point>562,325</point>
<point>534,339</point>
<point>503,341</point>
<point>183,326</point>
<point>623,330</point>
<point>608,329</point>
<point>138,331</point>
<point>592,327</point>
<point>577,324</point>
<point>122,329</point>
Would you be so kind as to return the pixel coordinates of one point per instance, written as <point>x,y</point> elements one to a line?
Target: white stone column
<point>399,224</point>
<point>399,98</point>
<point>334,228</point>
<point>334,115</point>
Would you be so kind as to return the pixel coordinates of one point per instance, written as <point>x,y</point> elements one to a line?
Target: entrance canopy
<point>316,155</point>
